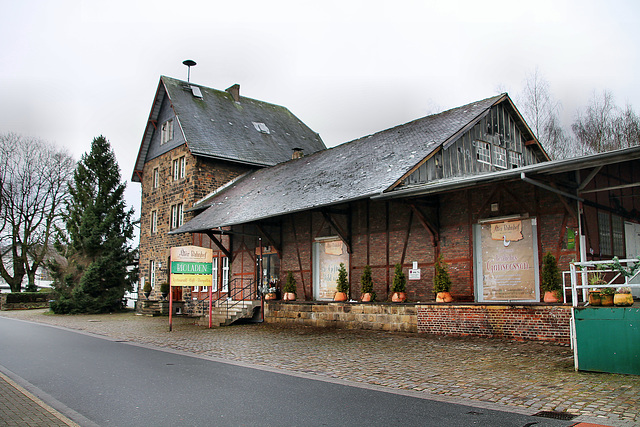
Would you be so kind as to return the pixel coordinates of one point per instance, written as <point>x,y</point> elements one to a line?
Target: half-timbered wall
<point>496,142</point>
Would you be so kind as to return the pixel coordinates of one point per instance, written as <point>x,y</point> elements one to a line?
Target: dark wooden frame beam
<point>346,238</point>
<point>219,244</point>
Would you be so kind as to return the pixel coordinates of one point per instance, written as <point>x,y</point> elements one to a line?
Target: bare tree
<point>33,184</point>
<point>541,111</point>
<point>602,126</point>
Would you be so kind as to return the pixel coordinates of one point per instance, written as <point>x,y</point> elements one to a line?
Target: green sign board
<point>178,267</point>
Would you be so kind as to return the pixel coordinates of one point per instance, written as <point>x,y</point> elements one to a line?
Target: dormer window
<point>166,132</point>
<point>261,127</point>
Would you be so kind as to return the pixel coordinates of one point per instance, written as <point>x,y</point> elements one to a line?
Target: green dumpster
<point>607,339</point>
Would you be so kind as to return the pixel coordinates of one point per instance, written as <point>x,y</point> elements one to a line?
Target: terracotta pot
<point>551,296</point>
<point>606,300</point>
<point>594,298</point>
<point>340,296</point>
<point>444,297</point>
<point>623,300</point>
<point>366,297</point>
<point>289,296</point>
<point>399,297</point>
<point>270,296</point>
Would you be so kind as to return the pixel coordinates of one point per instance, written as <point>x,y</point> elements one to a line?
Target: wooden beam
<point>269,240</point>
<point>344,236</point>
<point>218,243</point>
<point>432,228</point>
<point>531,142</point>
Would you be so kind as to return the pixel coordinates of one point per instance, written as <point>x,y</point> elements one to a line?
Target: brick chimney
<point>234,91</point>
<point>297,153</point>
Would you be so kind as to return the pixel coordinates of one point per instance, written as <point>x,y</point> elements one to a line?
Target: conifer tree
<point>96,242</point>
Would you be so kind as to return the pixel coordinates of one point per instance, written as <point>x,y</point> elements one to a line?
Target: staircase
<point>225,313</point>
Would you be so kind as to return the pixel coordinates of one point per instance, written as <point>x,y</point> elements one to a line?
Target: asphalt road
<point>110,383</point>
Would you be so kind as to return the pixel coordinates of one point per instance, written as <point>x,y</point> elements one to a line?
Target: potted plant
<point>164,289</point>
<point>268,290</point>
<point>550,279</point>
<point>342,284</point>
<point>289,288</point>
<point>146,289</point>
<point>366,285</point>
<point>623,297</point>
<point>596,279</point>
<point>399,286</point>
<point>442,282</point>
<point>606,296</point>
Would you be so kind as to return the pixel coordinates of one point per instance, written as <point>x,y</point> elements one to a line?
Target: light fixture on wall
<point>495,207</point>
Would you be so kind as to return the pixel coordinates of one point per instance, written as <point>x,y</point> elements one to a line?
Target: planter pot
<point>146,295</point>
<point>444,297</point>
<point>399,297</point>
<point>594,298</point>
<point>340,296</point>
<point>366,297</point>
<point>606,300</point>
<point>551,297</point>
<point>289,296</point>
<point>623,300</point>
<point>270,296</point>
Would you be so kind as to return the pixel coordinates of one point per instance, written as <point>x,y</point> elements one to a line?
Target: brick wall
<point>516,322</point>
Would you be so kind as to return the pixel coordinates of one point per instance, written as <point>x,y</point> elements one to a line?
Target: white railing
<point>580,272</point>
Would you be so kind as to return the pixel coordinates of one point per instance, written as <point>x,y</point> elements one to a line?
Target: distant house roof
<point>359,169</point>
<point>226,126</point>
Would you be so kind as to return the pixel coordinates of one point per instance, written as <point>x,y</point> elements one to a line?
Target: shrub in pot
<point>342,284</point>
<point>289,288</point>
<point>366,285</point>
<point>399,287</point>
<point>442,282</point>
<point>146,289</point>
<point>164,289</point>
<point>551,282</point>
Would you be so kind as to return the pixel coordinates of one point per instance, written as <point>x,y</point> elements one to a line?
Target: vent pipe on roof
<point>234,91</point>
<point>189,63</point>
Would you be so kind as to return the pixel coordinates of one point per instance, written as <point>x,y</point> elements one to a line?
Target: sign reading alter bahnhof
<point>191,266</point>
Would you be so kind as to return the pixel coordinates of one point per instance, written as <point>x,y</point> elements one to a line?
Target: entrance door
<point>632,241</point>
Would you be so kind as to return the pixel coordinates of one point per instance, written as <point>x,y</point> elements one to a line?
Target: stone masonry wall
<point>383,317</point>
<point>530,322</point>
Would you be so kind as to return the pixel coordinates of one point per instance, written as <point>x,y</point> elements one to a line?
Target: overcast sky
<point>73,70</point>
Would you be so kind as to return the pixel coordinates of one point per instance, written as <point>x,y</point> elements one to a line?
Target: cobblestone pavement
<point>525,377</point>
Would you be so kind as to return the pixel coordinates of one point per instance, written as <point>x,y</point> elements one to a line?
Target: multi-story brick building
<point>196,140</point>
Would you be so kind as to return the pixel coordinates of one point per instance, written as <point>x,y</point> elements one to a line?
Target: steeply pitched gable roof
<point>215,125</point>
<point>355,170</point>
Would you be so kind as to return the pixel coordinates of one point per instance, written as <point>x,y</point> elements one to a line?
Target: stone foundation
<point>383,317</point>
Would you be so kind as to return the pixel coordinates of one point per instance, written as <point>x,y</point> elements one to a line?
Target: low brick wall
<point>4,305</point>
<point>515,322</point>
<point>383,316</point>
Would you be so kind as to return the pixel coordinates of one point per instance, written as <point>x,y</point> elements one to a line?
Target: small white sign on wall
<point>414,274</point>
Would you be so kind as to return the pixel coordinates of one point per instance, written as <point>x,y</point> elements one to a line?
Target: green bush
<point>550,274</point>
<point>399,280</point>
<point>342,284</point>
<point>441,280</point>
<point>164,288</point>
<point>366,282</point>
<point>290,283</point>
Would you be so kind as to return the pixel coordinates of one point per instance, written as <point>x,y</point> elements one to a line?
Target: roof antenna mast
<point>189,63</point>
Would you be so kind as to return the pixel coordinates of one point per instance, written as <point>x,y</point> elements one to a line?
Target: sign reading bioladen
<point>191,266</point>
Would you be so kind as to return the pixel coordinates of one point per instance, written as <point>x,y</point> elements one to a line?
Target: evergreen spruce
<point>550,274</point>
<point>98,228</point>
<point>399,280</point>
<point>441,280</point>
<point>342,284</point>
<point>290,283</point>
<point>366,282</point>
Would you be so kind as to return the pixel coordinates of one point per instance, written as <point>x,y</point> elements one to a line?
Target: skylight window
<point>261,127</point>
<point>195,90</point>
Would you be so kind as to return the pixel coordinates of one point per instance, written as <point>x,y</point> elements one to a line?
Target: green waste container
<point>607,339</point>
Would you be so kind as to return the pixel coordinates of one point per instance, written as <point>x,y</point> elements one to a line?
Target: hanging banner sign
<point>191,266</point>
<point>510,231</point>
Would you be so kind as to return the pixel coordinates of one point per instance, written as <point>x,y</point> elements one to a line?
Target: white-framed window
<point>152,273</point>
<point>179,166</point>
<point>515,159</point>
<point>225,274</point>
<point>500,157</point>
<point>483,152</point>
<point>154,222</point>
<point>177,215</point>
<point>156,178</point>
<point>214,272</point>
<point>166,131</point>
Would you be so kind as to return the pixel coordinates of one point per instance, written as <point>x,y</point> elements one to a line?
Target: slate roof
<point>216,126</point>
<point>355,170</point>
